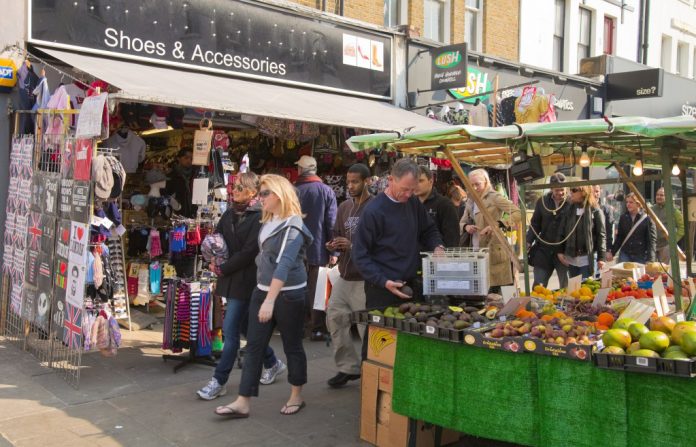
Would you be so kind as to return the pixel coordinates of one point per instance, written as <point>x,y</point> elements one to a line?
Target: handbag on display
<point>202,142</point>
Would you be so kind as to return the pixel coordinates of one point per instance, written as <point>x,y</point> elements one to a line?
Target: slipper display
<point>230,413</point>
<point>298,407</point>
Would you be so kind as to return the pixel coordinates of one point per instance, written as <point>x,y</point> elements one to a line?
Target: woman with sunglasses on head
<point>582,233</point>
<point>239,227</point>
<point>278,299</point>
<point>637,236</point>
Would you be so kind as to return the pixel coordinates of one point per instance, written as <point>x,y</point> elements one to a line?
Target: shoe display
<point>269,375</point>
<point>341,379</point>
<point>212,390</point>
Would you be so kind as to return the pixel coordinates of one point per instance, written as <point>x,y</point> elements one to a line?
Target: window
<point>666,56</point>
<point>473,21</point>
<point>392,13</point>
<point>609,27</point>
<point>694,72</point>
<point>559,35</point>
<point>683,59</point>
<point>434,20</point>
<point>585,40</point>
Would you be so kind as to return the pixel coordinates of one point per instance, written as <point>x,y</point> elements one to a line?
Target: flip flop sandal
<point>299,407</point>
<point>230,413</point>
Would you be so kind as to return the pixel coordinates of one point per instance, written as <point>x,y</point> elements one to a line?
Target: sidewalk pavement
<point>134,399</point>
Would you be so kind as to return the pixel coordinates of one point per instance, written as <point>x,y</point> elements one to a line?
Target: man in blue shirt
<point>393,226</point>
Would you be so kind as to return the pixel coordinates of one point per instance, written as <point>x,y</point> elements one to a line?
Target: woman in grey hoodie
<point>278,299</point>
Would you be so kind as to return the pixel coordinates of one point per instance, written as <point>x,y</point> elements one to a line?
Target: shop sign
<point>477,82</point>
<point>688,110</point>
<point>635,84</point>
<point>448,68</point>
<point>238,38</point>
<point>8,73</point>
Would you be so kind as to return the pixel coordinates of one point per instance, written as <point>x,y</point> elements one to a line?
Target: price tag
<point>692,287</point>
<point>574,283</point>
<point>477,325</point>
<point>430,329</point>
<point>376,318</point>
<point>508,293</point>
<point>514,304</point>
<point>636,274</point>
<point>600,345</point>
<point>658,295</point>
<point>503,318</point>
<point>601,297</point>
<point>606,277</point>
<point>642,361</point>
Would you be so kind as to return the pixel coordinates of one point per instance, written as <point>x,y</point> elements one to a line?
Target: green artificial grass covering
<point>459,387</point>
<point>662,410</point>
<point>581,405</point>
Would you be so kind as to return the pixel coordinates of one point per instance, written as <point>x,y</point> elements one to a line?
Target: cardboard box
<point>381,345</point>
<point>379,425</point>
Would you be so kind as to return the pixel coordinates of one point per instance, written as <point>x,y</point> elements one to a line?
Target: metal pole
<point>666,155</point>
<point>685,215</point>
<point>523,238</point>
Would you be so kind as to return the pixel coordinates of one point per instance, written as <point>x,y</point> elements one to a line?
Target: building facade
<point>671,41</point>
<point>558,34</point>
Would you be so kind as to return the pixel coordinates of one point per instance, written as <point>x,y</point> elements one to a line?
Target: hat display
<point>103,177</point>
<point>306,162</point>
<point>119,176</point>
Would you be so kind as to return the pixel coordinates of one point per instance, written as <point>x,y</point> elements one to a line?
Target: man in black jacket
<point>439,207</point>
<point>544,228</point>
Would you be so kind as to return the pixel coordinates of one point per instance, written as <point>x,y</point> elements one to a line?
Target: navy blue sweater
<point>386,246</point>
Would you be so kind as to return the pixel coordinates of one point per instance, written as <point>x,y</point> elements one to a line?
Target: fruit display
<point>559,329</point>
<point>417,311</point>
<point>664,340</point>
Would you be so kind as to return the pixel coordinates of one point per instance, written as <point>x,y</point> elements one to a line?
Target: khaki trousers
<point>346,297</point>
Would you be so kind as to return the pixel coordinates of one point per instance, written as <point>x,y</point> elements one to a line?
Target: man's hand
<point>439,251</point>
<point>486,231</point>
<point>340,244</point>
<point>471,229</point>
<point>600,264</point>
<point>394,287</point>
<point>562,258</point>
<point>266,311</point>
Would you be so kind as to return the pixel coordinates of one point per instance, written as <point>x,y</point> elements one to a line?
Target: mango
<point>645,353</point>
<point>623,323</point>
<point>636,330</point>
<point>617,337</point>
<point>688,343</point>
<point>613,350</point>
<point>680,329</point>
<point>676,355</point>
<point>654,340</point>
<point>663,324</point>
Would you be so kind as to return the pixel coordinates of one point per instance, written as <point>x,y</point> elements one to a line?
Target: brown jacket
<point>500,270</point>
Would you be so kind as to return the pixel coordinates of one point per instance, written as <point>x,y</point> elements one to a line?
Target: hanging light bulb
<point>675,169</point>
<point>638,168</point>
<point>584,161</point>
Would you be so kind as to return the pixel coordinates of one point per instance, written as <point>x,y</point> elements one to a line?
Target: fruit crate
<point>446,334</point>
<point>570,351</point>
<point>477,337</point>
<point>647,365</point>
<point>459,271</point>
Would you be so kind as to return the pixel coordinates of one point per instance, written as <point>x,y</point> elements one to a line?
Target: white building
<point>672,36</point>
<point>557,34</point>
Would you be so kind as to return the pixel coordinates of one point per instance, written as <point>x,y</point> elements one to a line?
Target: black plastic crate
<point>646,365</point>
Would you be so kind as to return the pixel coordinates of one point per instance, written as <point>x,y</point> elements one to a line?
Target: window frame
<point>582,45</point>
<point>478,18</point>
<point>560,38</point>
<point>443,20</point>
<point>611,40</point>
<point>401,13</point>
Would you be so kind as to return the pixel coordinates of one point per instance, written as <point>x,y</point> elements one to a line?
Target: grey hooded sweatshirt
<point>282,255</point>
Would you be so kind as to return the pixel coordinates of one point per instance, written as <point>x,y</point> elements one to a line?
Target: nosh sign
<point>448,68</point>
<point>635,84</point>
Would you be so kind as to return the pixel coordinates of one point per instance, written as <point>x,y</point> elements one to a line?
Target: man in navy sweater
<point>393,227</point>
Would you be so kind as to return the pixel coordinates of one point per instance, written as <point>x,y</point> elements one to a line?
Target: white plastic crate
<point>460,271</point>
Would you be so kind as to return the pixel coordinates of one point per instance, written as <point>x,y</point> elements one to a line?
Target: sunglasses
<point>265,193</point>
<point>575,189</point>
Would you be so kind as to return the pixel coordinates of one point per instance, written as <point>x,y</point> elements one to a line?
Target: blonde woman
<point>278,299</point>
<point>583,233</point>
<point>481,235</point>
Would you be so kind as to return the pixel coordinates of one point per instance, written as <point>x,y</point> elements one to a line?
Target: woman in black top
<point>640,246</point>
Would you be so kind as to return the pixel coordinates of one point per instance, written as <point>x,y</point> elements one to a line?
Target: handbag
<point>326,278</point>
<point>630,233</point>
<point>202,142</point>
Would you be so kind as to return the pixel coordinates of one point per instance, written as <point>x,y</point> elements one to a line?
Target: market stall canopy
<point>160,85</point>
<point>622,139</point>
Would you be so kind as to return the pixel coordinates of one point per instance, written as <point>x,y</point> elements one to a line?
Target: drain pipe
<point>323,5</point>
<point>646,33</point>
<point>641,24</point>
<point>341,5</point>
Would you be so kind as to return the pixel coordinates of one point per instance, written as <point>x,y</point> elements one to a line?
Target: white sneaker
<point>269,375</point>
<point>212,390</point>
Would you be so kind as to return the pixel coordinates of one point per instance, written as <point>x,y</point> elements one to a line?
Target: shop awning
<point>168,86</point>
<point>623,139</point>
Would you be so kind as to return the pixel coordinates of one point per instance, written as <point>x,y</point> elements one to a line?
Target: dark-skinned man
<point>440,208</point>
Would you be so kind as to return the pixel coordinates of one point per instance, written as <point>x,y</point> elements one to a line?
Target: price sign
<point>601,297</point>
<point>574,283</point>
<point>606,277</point>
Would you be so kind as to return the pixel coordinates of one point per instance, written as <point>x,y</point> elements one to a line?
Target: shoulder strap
<point>630,233</point>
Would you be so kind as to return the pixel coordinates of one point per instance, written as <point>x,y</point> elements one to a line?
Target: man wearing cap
<point>180,184</point>
<point>543,229</point>
<point>318,203</point>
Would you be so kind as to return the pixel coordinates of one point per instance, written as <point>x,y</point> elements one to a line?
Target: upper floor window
<point>435,23</point>
<point>473,24</point>
<point>392,12</point>
<point>683,59</point>
<point>559,35</point>
<point>609,36</point>
<point>585,38</point>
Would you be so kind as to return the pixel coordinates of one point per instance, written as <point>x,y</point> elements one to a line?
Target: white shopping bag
<point>327,276</point>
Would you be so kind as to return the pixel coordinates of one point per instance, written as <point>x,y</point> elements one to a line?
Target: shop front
<point>245,86</point>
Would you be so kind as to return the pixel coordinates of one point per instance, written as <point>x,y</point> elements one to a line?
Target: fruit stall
<point>606,362</point>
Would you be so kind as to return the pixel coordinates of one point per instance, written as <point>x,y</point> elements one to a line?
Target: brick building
<point>490,27</point>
